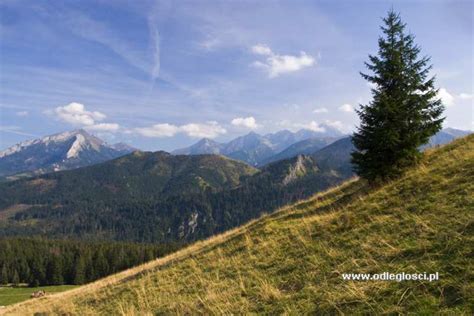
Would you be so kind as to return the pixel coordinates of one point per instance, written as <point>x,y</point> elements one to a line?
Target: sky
<point>160,75</point>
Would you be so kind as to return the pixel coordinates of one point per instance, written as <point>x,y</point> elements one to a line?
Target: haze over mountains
<point>57,152</point>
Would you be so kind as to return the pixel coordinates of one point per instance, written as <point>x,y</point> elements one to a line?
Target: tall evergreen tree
<point>79,270</point>
<point>15,278</point>
<point>3,275</point>
<point>405,110</point>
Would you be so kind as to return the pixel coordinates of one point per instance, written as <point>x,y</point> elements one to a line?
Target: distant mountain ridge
<point>256,149</point>
<point>445,136</point>
<point>304,147</point>
<point>62,151</point>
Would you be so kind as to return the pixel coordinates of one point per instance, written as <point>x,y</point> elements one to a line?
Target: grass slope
<point>291,261</point>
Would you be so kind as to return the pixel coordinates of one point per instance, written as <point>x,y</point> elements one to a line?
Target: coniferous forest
<point>38,261</point>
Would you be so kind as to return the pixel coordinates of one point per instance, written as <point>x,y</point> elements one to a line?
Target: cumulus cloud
<point>76,114</point>
<point>276,65</point>
<point>320,110</point>
<point>158,130</point>
<point>104,127</point>
<point>248,122</point>
<point>338,125</point>
<point>346,108</point>
<point>261,49</point>
<point>446,97</point>
<point>315,127</point>
<point>208,130</point>
<point>22,113</point>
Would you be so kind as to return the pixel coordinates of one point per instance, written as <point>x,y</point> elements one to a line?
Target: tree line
<point>39,262</point>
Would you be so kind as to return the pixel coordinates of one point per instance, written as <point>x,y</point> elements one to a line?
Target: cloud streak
<point>155,45</point>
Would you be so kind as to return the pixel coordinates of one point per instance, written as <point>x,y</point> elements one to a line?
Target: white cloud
<point>22,113</point>
<point>315,127</point>
<point>337,125</point>
<point>104,127</point>
<point>248,122</point>
<point>158,130</point>
<point>276,64</point>
<point>346,108</point>
<point>320,110</point>
<point>208,130</point>
<point>261,49</point>
<point>76,114</point>
<point>466,96</point>
<point>446,97</point>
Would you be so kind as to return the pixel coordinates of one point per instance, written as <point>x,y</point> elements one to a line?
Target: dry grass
<point>290,262</point>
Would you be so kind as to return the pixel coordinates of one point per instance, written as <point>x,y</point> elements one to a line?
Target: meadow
<point>11,295</point>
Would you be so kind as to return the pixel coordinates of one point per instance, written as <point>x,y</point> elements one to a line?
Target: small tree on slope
<point>405,110</point>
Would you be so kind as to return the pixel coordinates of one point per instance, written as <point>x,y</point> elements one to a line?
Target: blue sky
<point>161,75</point>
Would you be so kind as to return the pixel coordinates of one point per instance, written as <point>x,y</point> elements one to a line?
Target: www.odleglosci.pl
<point>387,276</point>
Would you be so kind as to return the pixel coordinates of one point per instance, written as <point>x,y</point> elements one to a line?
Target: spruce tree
<point>4,275</point>
<point>404,111</point>
<point>79,270</point>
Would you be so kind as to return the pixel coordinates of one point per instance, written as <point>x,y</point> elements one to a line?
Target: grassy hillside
<point>292,261</point>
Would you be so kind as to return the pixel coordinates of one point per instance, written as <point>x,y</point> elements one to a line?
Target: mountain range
<point>256,149</point>
<point>159,197</point>
<point>78,148</point>
<point>57,152</point>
